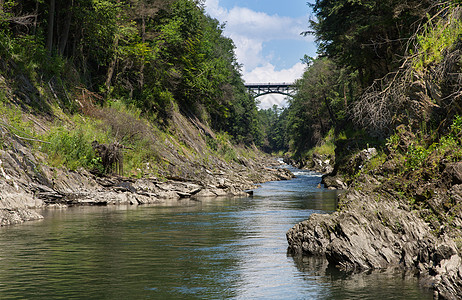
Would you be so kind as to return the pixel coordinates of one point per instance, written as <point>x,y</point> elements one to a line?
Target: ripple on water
<point>225,248</point>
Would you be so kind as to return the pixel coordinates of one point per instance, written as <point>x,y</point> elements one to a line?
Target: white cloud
<point>246,22</point>
<point>250,30</point>
<point>261,74</point>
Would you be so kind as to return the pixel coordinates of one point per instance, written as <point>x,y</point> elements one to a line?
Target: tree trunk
<point>112,65</point>
<point>66,28</point>
<point>143,39</point>
<point>345,96</point>
<point>51,19</point>
<point>329,110</point>
<point>35,17</point>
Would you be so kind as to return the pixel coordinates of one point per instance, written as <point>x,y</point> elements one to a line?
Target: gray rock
<point>453,172</point>
<point>334,182</point>
<point>19,215</point>
<point>376,233</point>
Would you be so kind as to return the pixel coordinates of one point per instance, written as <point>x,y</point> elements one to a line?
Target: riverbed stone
<point>334,182</point>
<point>207,193</point>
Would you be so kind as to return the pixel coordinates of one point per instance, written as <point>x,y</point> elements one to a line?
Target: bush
<point>72,148</point>
<point>223,147</point>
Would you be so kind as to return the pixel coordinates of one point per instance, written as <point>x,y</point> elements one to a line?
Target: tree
<point>367,36</point>
<point>159,55</point>
<point>317,106</point>
<point>51,27</point>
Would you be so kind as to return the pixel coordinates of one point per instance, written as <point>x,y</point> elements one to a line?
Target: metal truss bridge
<point>261,89</point>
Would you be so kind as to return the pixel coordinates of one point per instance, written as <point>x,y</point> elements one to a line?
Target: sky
<point>267,37</point>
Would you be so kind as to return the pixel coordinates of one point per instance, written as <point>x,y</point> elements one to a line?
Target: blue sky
<point>267,38</point>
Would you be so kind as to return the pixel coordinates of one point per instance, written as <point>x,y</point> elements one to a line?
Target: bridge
<point>261,89</point>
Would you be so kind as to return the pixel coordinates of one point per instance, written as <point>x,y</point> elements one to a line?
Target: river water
<point>210,249</point>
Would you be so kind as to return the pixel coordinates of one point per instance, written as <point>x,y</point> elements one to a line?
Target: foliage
<point>274,126</point>
<point>434,40</point>
<point>224,147</point>
<point>318,105</point>
<point>12,118</point>
<point>423,153</point>
<point>398,60</point>
<point>425,88</point>
<point>158,55</point>
<point>367,36</point>
<point>72,147</point>
<point>416,156</point>
<point>325,147</point>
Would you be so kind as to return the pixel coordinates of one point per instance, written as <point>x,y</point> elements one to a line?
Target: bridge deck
<point>255,85</point>
<point>260,89</point>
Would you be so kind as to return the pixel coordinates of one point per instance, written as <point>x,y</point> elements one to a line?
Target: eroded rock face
<point>377,233</point>
<point>453,173</point>
<point>27,184</point>
<point>334,182</point>
<point>17,199</point>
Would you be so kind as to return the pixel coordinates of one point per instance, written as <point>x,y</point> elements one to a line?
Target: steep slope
<point>48,156</point>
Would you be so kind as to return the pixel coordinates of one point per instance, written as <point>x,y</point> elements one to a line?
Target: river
<point>210,249</point>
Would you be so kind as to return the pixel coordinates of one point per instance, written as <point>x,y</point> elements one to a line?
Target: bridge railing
<point>261,89</point>
<point>268,84</point>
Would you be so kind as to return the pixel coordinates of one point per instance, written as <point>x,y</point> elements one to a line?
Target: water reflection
<point>374,284</point>
<point>209,249</point>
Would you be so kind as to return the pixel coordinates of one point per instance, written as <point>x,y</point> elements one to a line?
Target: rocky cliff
<point>27,183</point>
<point>377,225</point>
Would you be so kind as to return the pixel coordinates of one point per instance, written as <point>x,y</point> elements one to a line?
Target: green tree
<point>367,36</point>
<point>318,105</point>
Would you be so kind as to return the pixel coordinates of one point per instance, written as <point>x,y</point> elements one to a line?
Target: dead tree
<point>111,156</point>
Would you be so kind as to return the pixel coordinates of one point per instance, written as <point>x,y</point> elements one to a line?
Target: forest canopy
<point>158,55</point>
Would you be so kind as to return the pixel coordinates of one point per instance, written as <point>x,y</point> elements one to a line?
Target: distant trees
<point>319,105</point>
<point>274,124</point>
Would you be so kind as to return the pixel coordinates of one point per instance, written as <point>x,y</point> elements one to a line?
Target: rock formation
<point>374,228</point>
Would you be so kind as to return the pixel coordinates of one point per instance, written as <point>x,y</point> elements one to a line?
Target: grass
<point>225,149</point>
<point>12,118</point>
<point>434,40</point>
<point>325,147</point>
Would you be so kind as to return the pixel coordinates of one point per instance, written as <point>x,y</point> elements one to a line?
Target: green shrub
<point>72,148</point>
<point>416,156</point>
<point>12,115</point>
<point>434,40</point>
<point>224,147</point>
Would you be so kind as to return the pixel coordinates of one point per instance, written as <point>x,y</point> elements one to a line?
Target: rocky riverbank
<point>376,227</point>
<point>371,234</point>
<point>26,183</point>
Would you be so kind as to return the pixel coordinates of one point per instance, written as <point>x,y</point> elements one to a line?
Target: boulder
<point>19,215</point>
<point>453,173</point>
<point>334,182</point>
